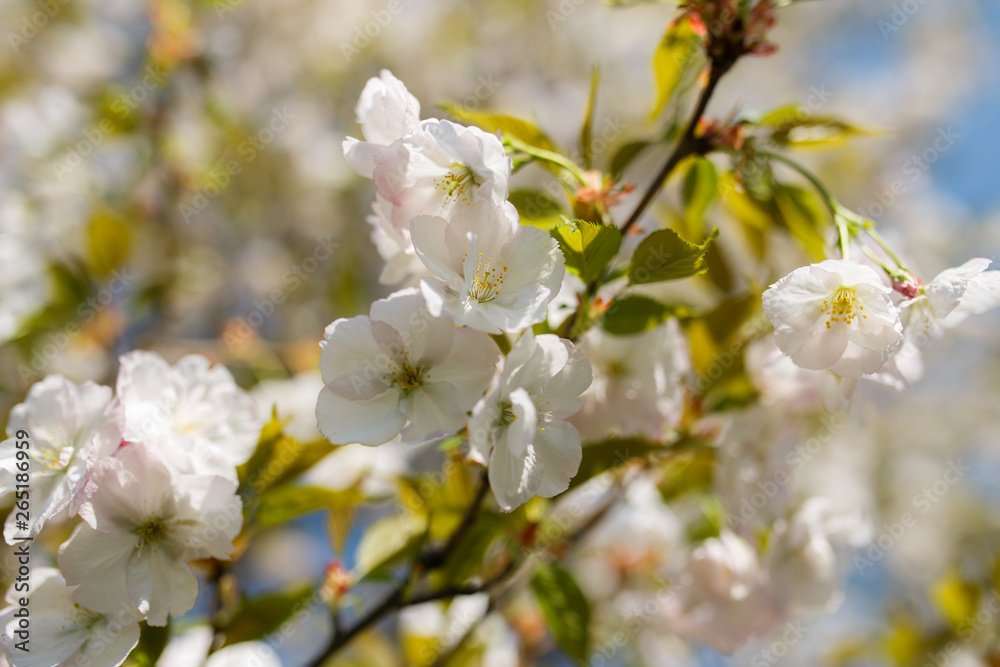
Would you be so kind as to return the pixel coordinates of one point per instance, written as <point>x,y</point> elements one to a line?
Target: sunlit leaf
<point>387,540</point>
<point>587,131</point>
<point>664,255</point>
<point>537,208</point>
<point>678,52</point>
<point>565,608</point>
<point>288,502</point>
<point>493,122</point>
<point>588,247</point>
<point>633,314</point>
<point>698,191</point>
<point>261,616</point>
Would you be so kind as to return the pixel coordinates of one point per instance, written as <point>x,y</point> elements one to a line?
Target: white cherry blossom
<point>141,527</point>
<point>439,169</point>
<point>386,112</point>
<point>637,388</point>
<point>70,427</point>
<point>834,315</point>
<point>948,299</point>
<point>61,632</point>
<point>400,369</point>
<point>519,427</point>
<point>192,412</point>
<point>492,273</point>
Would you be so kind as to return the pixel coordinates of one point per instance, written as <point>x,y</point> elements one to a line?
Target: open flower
<point>637,388</point>
<point>70,427</point>
<point>193,413</point>
<point>400,367</point>
<point>61,632</point>
<point>834,315</point>
<point>440,168</point>
<point>953,295</point>
<point>142,526</point>
<point>518,428</point>
<point>494,274</point>
<point>386,112</point>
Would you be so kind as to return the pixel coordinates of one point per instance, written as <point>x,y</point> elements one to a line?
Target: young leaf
<point>588,247</point>
<point>664,255</point>
<point>803,214</point>
<point>799,127</point>
<point>603,456</point>
<point>288,502</point>
<point>625,155</point>
<point>261,616</point>
<point>386,540</point>
<point>565,608</point>
<point>537,208</point>
<point>679,49</point>
<point>511,126</point>
<point>632,314</point>
<point>699,190</point>
<point>587,131</point>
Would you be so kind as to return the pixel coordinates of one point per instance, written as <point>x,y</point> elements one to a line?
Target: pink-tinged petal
<point>428,234</point>
<point>372,422</point>
<point>361,156</point>
<point>348,347</point>
<point>158,578</point>
<point>386,110</point>
<point>434,410</point>
<point>948,287</point>
<point>557,448</point>
<point>96,563</point>
<point>469,366</point>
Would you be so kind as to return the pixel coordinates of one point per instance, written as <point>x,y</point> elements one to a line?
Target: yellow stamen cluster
<point>487,279</point>
<point>457,184</point>
<point>152,531</point>
<point>843,306</point>
<point>405,375</point>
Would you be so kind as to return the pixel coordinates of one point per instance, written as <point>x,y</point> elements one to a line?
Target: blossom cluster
<point>150,470</point>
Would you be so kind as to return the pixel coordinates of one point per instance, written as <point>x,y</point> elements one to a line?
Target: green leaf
<point>699,190</point>
<point>587,131</point>
<point>387,540</point>
<point>152,641</point>
<point>588,247</point>
<point>805,217</point>
<point>799,127</point>
<point>288,502</point>
<point>261,616</point>
<point>678,51</point>
<point>109,242</point>
<point>625,155</point>
<point>608,454</point>
<point>664,255</point>
<point>633,314</point>
<point>537,208</point>
<point>565,608</point>
<point>510,126</point>
<point>466,560</point>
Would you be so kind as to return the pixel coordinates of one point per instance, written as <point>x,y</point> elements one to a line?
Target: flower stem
<point>548,156</point>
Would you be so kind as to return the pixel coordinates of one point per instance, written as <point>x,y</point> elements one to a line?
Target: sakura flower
<point>192,413</point>
<point>386,112</point>
<point>61,632</point>
<point>395,248</point>
<point>968,289</point>
<point>834,315</point>
<point>142,525</point>
<point>808,554</point>
<point>492,273</point>
<point>439,169</point>
<point>727,602</point>
<point>400,369</point>
<point>69,428</point>
<point>519,427</point>
<point>637,387</point>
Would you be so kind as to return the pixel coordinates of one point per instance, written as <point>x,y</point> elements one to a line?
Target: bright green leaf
<point>587,131</point>
<point>679,50</point>
<point>386,540</point>
<point>109,242</point>
<point>288,502</point>
<point>602,456</point>
<point>633,314</point>
<point>588,247</point>
<point>509,126</point>
<point>664,255</point>
<point>799,127</point>
<point>805,217</point>
<point>698,191</point>
<point>565,608</point>
<point>537,208</point>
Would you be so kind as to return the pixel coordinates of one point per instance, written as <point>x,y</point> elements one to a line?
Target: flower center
<point>457,183</point>
<point>408,377</point>
<point>842,306</point>
<point>152,531</point>
<point>487,279</point>
<point>507,415</point>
